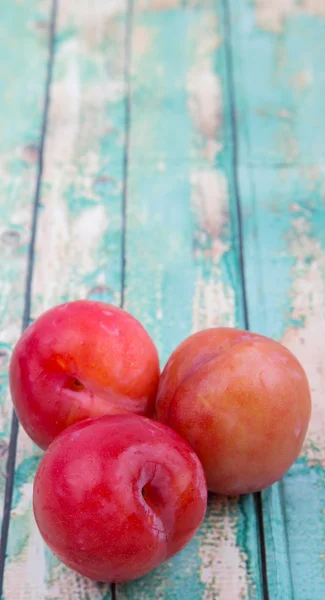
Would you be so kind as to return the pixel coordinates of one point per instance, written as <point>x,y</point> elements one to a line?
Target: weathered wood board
<point>22,99</point>
<point>278,58</point>
<point>182,261</point>
<point>183,177</point>
<point>78,249</point>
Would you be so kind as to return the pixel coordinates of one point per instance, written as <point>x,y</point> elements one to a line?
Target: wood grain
<point>281,127</point>
<point>79,239</point>
<point>182,264</point>
<point>182,269</point>
<point>21,108</point>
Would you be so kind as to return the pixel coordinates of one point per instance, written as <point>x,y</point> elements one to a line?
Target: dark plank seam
<point>11,461</point>
<point>234,154</point>
<point>127,87</point>
<point>127,84</point>
<point>283,510</point>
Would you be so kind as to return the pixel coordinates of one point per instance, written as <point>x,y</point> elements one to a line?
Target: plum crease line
<point>258,502</point>
<point>12,447</point>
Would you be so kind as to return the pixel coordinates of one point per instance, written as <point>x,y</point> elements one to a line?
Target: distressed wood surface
<point>166,147</point>
<point>281,167</point>
<point>182,263</point>
<point>21,114</point>
<point>79,240</point>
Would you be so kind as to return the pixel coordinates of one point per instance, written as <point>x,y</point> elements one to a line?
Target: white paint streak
<point>67,585</point>
<point>308,341</point>
<point>214,302</point>
<point>211,198</point>
<point>314,7</point>
<point>64,239</point>
<point>69,237</point>
<point>223,566</point>
<point>90,15</point>
<point>205,100</point>
<point>31,560</point>
<point>271,14</point>
<point>155,5</point>
<point>16,192</point>
<point>302,80</point>
<point>142,40</point>
<point>25,500</point>
<point>204,87</point>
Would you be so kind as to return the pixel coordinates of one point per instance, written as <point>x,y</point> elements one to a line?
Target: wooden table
<point>169,156</point>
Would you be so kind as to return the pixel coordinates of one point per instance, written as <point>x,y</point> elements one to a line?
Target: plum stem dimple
<point>75,384</point>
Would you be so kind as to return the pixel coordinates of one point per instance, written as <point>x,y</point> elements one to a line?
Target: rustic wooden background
<point>169,156</point>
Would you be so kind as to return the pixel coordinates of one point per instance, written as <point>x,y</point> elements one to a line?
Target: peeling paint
<point>217,299</point>
<point>31,562</point>
<point>213,301</point>
<point>302,80</point>
<point>64,583</point>
<point>185,193</point>
<point>185,198</point>
<point>102,10</point>
<point>21,105</point>
<point>271,15</point>
<point>281,185</point>
<point>210,196</point>
<point>223,563</point>
<point>72,223</point>
<point>142,40</point>
<point>314,7</point>
<point>205,100</point>
<point>78,241</point>
<point>204,88</point>
<point>308,342</point>
<point>156,5</point>
<point>221,558</point>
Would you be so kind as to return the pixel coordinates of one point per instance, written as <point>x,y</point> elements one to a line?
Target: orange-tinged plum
<point>79,360</point>
<point>243,403</point>
<point>116,496</point>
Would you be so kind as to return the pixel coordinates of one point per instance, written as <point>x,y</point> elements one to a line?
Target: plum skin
<point>79,360</point>
<point>116,496</point>
<point>243,403</point>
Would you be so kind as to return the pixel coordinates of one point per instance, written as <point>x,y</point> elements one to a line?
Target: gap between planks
<point>127,84</point>
<point>10,471</point>
<point>233,132</point>
<point>14,431</point>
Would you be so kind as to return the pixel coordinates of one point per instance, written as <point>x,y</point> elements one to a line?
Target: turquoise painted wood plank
<point>78,242</point>
<point>278,54</point>
<point>21,105</point>
<point>182,264</point>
